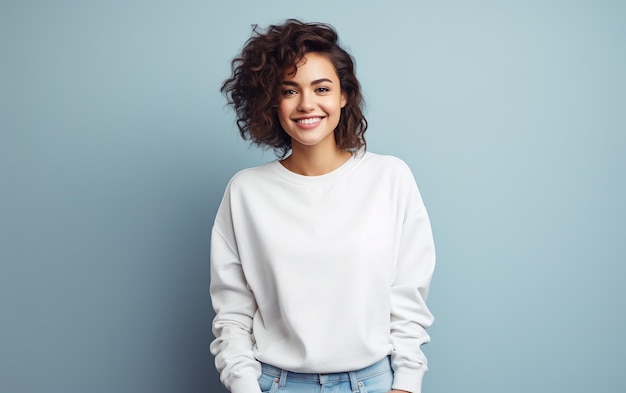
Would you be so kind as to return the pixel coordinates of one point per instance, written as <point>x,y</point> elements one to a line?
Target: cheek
<point>284,108</point>
<point>334,106</point>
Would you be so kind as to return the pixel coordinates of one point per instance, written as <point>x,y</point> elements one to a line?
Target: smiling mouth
<point>310,120</point>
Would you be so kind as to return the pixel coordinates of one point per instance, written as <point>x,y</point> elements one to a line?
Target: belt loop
<point>283,380</point>
<point>353,383</point>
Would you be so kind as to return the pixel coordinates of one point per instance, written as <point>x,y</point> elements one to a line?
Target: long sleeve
<point>409,314</point>
<point>234,305</point>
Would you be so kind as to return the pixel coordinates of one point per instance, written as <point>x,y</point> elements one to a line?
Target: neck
<point>309,161</point>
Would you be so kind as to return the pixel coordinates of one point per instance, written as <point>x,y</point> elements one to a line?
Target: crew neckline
<point>326,178</point>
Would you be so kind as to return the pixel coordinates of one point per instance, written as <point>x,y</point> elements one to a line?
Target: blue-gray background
<point>115,148</point>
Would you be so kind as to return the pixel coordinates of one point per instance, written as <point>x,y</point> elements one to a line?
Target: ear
<point>344,99</point>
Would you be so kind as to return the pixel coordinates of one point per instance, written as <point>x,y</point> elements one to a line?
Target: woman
<point>321,260</point>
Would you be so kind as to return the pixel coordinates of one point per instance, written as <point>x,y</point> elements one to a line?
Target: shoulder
<point>252,177</point>
<point>386,164</point>
<point>390,172</point>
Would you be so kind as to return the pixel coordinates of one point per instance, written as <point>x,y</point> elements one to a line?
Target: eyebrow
<point>315,82</point>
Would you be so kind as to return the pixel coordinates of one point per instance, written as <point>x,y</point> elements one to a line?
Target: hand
<point>398,391</point>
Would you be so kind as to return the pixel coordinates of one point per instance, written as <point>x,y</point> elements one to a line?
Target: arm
<point>410,316</point>
<point>234,305</point>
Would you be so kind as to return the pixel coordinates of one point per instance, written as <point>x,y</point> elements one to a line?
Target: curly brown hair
<point>253,88</point>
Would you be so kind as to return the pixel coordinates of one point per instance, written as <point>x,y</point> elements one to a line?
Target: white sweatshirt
<point>321,274</point>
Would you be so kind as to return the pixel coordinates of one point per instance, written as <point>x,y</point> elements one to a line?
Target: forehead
<point>312,66</point>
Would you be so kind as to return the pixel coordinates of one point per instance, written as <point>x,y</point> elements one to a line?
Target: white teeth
<point>310,121</point>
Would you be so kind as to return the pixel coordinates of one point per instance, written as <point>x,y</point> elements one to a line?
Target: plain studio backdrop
<point>116,146</point>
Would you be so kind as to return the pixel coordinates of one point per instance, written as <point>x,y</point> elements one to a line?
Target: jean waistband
<point>378,368</point>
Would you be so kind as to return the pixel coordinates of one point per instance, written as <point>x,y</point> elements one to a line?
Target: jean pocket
<point>378,384</point>
<point>267,383</point>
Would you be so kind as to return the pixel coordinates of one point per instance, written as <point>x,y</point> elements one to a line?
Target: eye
<point>322,90</point>
<point>289,92</point>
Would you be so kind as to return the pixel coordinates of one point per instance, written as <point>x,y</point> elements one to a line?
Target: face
<point>310,102</point>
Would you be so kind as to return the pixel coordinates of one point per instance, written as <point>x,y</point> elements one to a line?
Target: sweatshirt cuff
<point>245,384</point>
<point>408,379</point>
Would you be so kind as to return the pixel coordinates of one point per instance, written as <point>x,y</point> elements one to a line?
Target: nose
<point>306,103</point>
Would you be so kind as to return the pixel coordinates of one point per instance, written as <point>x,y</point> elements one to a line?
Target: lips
<point>309,121</point>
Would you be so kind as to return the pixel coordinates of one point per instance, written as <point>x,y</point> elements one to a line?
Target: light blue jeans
<point>376,378</point>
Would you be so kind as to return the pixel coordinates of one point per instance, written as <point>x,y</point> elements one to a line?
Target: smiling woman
<point>272,58</point>
<point>321,260</point>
